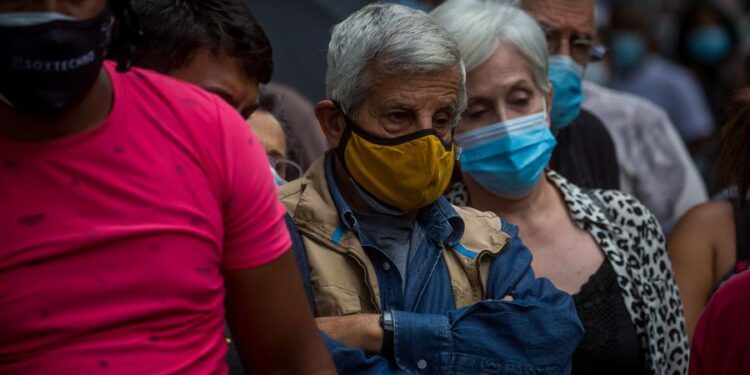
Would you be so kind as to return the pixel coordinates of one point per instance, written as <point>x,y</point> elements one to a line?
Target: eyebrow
<point>391,105</point>
<point>548,28</point>
<point>452,109</point>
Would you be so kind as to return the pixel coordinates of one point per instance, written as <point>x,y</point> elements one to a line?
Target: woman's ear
<point>331,121</point>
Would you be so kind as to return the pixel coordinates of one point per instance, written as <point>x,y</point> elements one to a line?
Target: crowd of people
<point>486,187</point>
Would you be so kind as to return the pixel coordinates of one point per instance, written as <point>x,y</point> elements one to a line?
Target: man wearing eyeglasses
<point>586,152</point>
<point>652,162</point>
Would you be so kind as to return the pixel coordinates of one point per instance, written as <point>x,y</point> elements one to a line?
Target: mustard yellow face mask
<point>407,172</point>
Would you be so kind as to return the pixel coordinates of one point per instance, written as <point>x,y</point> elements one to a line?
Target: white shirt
<point>655,166</point>
<point>674,89</point>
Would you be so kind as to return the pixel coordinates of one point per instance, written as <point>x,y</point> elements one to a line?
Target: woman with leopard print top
<point>603,247</point>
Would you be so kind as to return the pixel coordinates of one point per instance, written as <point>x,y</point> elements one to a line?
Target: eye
<point>519,98</point>
<point>443,121</point>
<point>476,112</point>
<point>581,44</point>
<point>398,117</point>
<point>477,115</point>
<point>520,102</point>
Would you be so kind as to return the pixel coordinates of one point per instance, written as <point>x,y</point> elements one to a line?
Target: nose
<point>425,122</point>
<point>564,48</point>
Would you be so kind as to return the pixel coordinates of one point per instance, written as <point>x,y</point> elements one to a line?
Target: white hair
<point>388,38</point>
<point>481,26</point>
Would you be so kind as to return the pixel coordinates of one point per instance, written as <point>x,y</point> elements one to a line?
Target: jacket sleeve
<point>354,361</point>
<point>536,333</point>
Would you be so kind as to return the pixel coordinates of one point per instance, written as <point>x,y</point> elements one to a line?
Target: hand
<point>357,331</point>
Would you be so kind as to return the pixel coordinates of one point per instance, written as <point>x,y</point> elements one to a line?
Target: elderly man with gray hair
<point>399,279</point>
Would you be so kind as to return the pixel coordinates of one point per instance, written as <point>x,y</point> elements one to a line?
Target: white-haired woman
<point>603,247</point>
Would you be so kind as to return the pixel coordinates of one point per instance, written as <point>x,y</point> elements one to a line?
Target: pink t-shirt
<point>113,241</point>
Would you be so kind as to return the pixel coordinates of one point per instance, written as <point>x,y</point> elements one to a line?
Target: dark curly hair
<point>174,30</point>
<point>734,162</point>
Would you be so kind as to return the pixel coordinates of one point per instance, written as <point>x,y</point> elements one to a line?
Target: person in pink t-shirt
<point>721,344</point>
<point>135,211</point>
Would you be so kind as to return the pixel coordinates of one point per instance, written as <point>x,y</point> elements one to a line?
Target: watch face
<point>386,321</point>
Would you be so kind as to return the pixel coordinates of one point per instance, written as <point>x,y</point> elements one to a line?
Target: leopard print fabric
<point>633,242</point>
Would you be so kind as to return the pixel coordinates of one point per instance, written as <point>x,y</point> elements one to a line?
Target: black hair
<point>174,30</point>
<point>268,102</point>
<point>686,24</point>
<point>126,33</point>
<point>734,162</point>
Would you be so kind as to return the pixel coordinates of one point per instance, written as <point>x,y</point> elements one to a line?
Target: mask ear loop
<point>459,149</point>
<point>546,117</point>
<point>345,135</point>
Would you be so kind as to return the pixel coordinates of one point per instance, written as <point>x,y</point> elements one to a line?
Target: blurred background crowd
<point>689,57</point>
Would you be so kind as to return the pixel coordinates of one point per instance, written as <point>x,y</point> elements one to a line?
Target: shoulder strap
<point>301,257</point>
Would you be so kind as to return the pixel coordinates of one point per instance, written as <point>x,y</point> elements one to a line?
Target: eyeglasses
<point>582,48</point>
<point>292,170</point>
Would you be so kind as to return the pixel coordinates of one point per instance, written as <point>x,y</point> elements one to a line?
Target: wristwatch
<point>386,322</point>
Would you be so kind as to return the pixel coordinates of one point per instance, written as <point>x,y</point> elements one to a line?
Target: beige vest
<point>342,276</point>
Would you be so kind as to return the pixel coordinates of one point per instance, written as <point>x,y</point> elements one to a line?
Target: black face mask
<point>48,68</point>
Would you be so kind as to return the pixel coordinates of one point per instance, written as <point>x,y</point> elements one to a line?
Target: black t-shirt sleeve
<point>585,154</point>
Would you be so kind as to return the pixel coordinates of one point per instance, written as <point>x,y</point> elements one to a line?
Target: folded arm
<point>536,332</point>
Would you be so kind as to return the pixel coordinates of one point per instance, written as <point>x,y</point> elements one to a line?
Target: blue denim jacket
<point>536,333</point>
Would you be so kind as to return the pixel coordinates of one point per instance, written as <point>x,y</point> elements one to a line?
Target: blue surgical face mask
<point>628,50</point>
<point>508,158</point>
<point>709,45</point>
<point>566,77</point>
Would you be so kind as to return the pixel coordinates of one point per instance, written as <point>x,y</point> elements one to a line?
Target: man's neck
<point>86,115</point>
<point>351,195</point>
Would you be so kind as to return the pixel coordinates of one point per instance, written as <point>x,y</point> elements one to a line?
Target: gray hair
<point>392,39</point>
<point>480,26</point>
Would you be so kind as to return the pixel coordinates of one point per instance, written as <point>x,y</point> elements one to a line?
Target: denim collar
<point>439,220</point>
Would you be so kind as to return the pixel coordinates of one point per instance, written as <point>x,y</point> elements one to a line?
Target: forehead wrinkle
<point>433,93</point>
<point>577,15</point>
